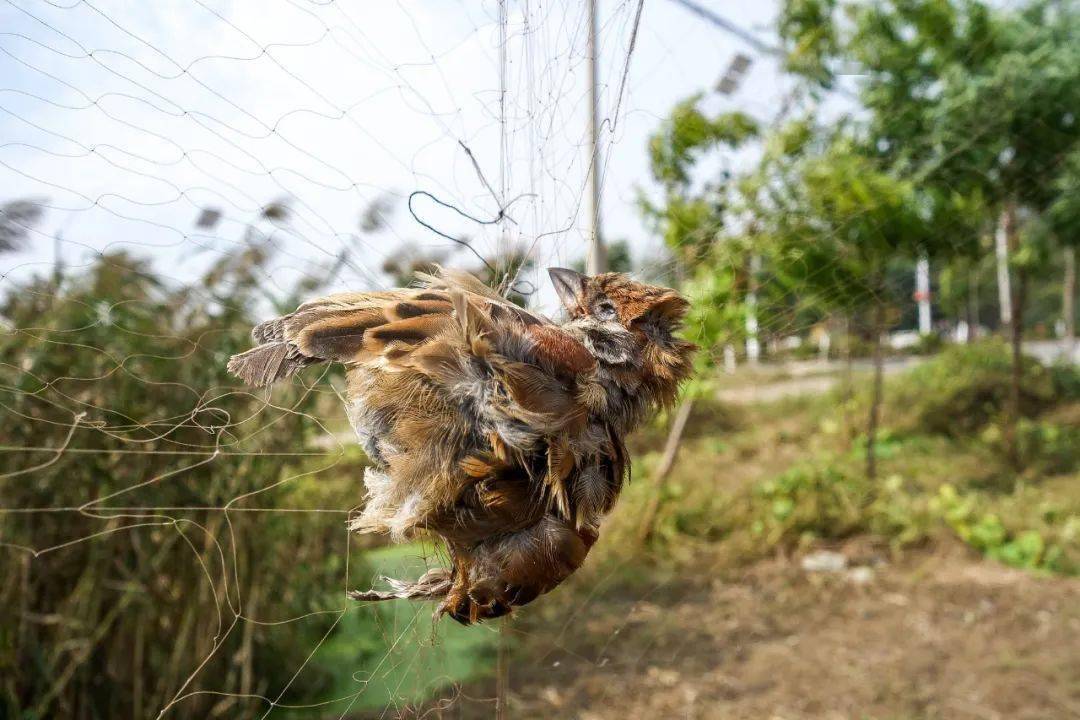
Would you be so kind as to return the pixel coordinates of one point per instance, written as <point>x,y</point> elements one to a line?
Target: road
<point>813,377</point>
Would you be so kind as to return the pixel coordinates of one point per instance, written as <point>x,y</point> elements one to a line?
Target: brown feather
<point>412,331</point>
<point>268,363</point>
<point>487,425</point>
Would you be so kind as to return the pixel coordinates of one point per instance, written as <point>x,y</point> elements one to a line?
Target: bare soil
<point>939,635</point>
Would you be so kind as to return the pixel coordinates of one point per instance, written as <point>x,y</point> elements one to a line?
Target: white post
<point>1001,246</point>
<point>729,359</point>
<point>753,344</point>
<point>922,295</point>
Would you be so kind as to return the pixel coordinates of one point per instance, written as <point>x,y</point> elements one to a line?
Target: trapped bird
<point>487,425</point>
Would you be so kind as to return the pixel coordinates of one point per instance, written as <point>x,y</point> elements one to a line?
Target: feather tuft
<point>268,363</point>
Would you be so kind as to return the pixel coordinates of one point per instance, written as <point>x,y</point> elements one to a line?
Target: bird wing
<point>453,390</point>
<point>358,326</point>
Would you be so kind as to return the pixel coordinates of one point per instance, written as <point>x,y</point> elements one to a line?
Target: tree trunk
<point>663,469</point>
<point>973,305</point>
<point>1017,336</point>
<point>1016,326</point>
<point>1068,303</point>
<point>877,391</point>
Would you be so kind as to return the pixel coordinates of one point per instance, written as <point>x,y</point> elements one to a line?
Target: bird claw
<point>433,584</point>
<point>474,605</point>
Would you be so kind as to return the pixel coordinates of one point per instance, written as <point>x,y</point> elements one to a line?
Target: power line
<point>721,22</point>
<point>749,38</point>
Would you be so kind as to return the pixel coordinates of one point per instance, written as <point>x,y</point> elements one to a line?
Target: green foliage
<point>826,502</point>
<point>114,385</point>
<point>1051,447</point>
<point>808,28</point>
<point>809,502</point>
<point>716,315</point>
<point>939,481</point>
<point>829,501</point>
<point>1066,381</point>
<point>970,386</point>
<point>1063,213</point>
<point>688,133</point>
<point>985,532</point>
<point>391,651</point>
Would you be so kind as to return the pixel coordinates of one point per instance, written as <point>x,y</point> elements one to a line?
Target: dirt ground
<point>942,635</point>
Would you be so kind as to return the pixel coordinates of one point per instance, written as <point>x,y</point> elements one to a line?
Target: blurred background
<point>865,505</point>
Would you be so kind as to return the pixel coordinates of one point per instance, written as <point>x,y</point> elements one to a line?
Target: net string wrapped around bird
<point>488,426</point>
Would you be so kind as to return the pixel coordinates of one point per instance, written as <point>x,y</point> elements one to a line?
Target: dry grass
<point>712,621</point>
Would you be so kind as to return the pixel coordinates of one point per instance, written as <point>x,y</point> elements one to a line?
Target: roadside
<point>771,382</point>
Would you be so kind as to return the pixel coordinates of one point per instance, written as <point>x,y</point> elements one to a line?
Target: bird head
<point>624,321</point>
<point>618,298</point>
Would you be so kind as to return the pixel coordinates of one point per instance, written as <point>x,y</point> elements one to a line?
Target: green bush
<point>929,344</point>
<point>965,387</point>
<point>984,531</point>
<point>1066,381</point>
<point>1050,447</point>
<point>809,502</point>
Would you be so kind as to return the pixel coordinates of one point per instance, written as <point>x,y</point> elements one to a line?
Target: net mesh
<point>171,174</point>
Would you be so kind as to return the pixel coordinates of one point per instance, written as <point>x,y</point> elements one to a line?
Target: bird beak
<point>570,285</point>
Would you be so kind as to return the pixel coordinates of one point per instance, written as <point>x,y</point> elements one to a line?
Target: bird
<point>488,425</point>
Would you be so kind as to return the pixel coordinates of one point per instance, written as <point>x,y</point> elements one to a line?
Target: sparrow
<point>487,425</point>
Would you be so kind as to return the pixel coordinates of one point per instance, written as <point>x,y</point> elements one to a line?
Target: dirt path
<point>806,378</point>
<point>946,636</point>
<point>812,377</point>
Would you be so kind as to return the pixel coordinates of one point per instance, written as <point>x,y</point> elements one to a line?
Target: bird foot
<point>435,583</point>
<point>480,602</point>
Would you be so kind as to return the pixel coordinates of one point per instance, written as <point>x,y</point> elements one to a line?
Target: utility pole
<point>596,260</point>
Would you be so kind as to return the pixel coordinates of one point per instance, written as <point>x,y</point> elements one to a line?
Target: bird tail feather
<point>268,363</point>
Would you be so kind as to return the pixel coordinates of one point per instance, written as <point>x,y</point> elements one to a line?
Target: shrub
<point>984,531</point>
<point>809,502</point>
<point>1066,381</point>
<point>965,387</point>
<point>1049,447</point>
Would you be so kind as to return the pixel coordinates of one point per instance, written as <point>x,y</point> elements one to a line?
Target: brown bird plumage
<point>487,425</point>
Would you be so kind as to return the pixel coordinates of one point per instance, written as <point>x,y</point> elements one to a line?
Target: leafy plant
<point>985,532</point>
<point>965,387</point>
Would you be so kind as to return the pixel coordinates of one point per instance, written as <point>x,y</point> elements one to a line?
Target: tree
<point>975,102</point>
<point>690,219</point>
<point>840,223</point>
<point>693,215</point>
<point>17,218</point>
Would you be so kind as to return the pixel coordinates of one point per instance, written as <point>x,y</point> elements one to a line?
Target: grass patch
<point>391,654</point>
<point>790,474</point>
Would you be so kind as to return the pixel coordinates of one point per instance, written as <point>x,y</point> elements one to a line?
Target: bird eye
<point>605,310</point>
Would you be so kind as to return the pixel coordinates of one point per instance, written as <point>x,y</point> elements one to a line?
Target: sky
<point>127,118</point>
